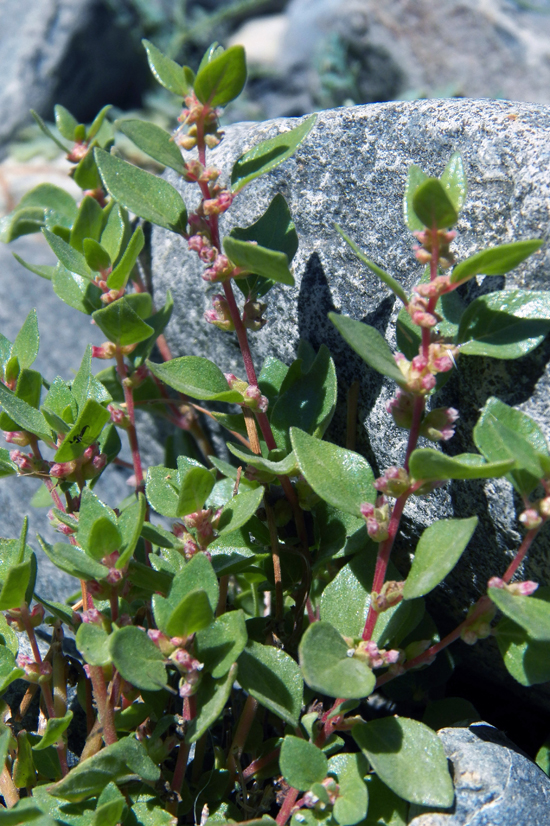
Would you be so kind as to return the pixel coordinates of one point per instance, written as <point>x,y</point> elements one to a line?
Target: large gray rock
<point>334,51</point>
<point>80,53</point>
<point>495,783</point>
<point>352,170</point>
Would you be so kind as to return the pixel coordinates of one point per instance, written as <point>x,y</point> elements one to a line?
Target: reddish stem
<point>287,807</point>
<point>520,555</point>
<point>382,560</point>
<point>132,433</point>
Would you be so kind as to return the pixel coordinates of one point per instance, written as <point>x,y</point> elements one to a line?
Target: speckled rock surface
<point>74,52</point>
<point>495,783</point>
<point>352,170</point>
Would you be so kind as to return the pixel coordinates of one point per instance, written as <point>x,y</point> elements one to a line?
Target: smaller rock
<point>496,784</point>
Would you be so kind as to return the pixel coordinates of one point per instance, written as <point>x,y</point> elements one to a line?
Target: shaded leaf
<point>439,549</point>
<point>166,71</point>
<point>302,764</point>
<point>409,757</point>
<point>137,658</point>
<point>268,154</point>
<point>369,344</point>
<point>387,279</point>
<point>433,206</point>
<point>273,679</point>
<point>495,261</point>
<point>328,668</point>
<point>154,141</point>
<point>427,463</point>
<point>197,377</point>
<point>339,476</point>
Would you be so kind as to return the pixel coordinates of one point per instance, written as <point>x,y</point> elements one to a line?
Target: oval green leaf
<point>328,668</point>
<point>302,764</point>
<point>196,376</point>
<point>438,550</point>
<point>409,757</point>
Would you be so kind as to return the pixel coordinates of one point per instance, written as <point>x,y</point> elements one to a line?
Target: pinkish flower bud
<point>438,424</point>
<point>401,409</point>
<point>377,519</point>
<point>92,617</point>
<point>391,594</point>
<point>36,616</point>
<point>220,315</point>
<point>544,507</point>
<point>94,468</point>
<point>193,171</point>
<point>162,642</point>
<point>18,437</point>
<point>63,470</point>
<point>524,589</point>
<point>119,417</point>
<point>104,351</point>
<point>530,519</point>
<point>254,400</point>
<point>440,285</point>
<point>394,482</point>
<point>496,582</point>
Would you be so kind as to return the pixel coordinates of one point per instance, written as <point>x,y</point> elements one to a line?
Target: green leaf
<point>415,177</point>
<point>409,757</point>
<point>273,679</point>
<point>195,488</point>
<point>274,230</point>
<point>111,764</point>
<point>239,510</point>
<point>495,261</point>
<point>271,378</point>
<point>158,322</point>
<point>48,132</point>
<point>98,532</point>
<point>531,613</point>
<point>506,324</point>
<point>329,669</point>
<point>504,433</point>
<point>526,659</point>
<point>193,613</point>
<point>269,154</point>
<point>27,341</point>
<point>345,601</point>
<point>369,344</point>
<point>166,71</point>
<point>93,643</point>
<point>219,646</point>
<point>385,807</point>
<point>339,476</point>
<point>7,467</point>
<point>307,399</point>
<point>454,181</point>
<point>137,658</point>
<point>542,758</point>
<point>22,221</point>
<point>154,141</point>
<point>28,389</point>
<point>387,279</point>
<point>162,490</point>
<point>121,273</point>
<point>71,258</point>
<point>113,233</point>
<point>284,467</point>
<point>58,205</point>
<point>97,122</point>
<point>197,377</point>
<point>142,193</point>
<point>27,417</point>
<point>9,672</point>
<point>24,772</point>
<point>121,324</point>
<point>8,638</point>
<point>65,122</point>
<point>429,464</point>
<point>88,224</point>
<point>210,700</point>
<point>352,801</point>
<point>130,523</point>
<point>44,271</point>
<point>73,561</point>
<point>302,764</point>
<point>76,291</point>
<point>438,550</point>
<point>222,79</point>
<point>85,386</point>
<point>97,258</point>
<point>15,584</point>
<point>85,431</point>
<point>54,731</point>
<point>257,260</point>
<point>86,173</point>
<point>197,574</point>
<point>433,206</point>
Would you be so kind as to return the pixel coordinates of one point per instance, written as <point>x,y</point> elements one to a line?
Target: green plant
<point>252,630</point>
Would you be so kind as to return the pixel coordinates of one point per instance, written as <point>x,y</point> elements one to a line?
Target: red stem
<point>382,560</point>
<point>132,433</point>
<point>288,805</point>
<point>520,555</point>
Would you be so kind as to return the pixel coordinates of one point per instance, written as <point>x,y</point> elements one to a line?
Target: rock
<point>80,53</point>
<point>363,51</point>
<point>495,783</point>
<point>262,39</point>
<point>352,170</point>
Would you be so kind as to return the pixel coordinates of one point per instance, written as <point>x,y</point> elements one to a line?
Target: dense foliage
<point>225,661</point>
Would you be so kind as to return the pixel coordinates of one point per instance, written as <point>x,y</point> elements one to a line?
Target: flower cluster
<point>377,518</point>
<point>375,657</point>
<point>194,112</point>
